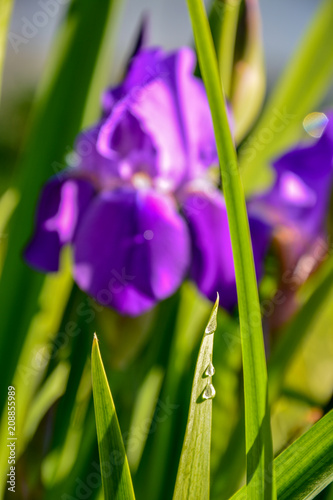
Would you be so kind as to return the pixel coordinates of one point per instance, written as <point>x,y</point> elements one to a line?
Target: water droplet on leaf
<point>209,392</point>
<point>210,370</point>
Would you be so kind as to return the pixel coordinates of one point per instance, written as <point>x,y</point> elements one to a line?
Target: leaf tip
<point>212,323</point>
<point>95,343</point>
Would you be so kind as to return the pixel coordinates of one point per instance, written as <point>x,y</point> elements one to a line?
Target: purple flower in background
<point>140,209</point>
<point>299,198</point>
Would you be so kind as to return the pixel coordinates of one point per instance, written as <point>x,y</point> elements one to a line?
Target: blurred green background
<point>52,372</point>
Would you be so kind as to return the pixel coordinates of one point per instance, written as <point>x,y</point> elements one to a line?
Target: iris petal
<point>61,206</point>
<point>212,265</point>
<point>172,108</point>
<point>299,198</point>
<point>131,250</point>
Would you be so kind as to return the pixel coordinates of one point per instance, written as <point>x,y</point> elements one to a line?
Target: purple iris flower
<point>140,209</point>
<point>299,198</point>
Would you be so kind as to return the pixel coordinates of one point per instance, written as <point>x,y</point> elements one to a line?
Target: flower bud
<point>236,29</point>
<point>248,78</point>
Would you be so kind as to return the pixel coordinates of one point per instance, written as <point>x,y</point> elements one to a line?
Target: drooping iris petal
<point>212,263</point>
<point>62,204</point>
<point>131,250</point>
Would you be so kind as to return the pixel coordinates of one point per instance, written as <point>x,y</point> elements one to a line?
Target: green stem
<point>258,433</point>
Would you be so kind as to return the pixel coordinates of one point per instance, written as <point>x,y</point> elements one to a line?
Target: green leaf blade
<point>193,478</point>
<point>258,433</point>
<point>116,477</point>
<point>305,468</point>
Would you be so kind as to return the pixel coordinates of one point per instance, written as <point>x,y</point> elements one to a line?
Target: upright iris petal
<point>126,208</point>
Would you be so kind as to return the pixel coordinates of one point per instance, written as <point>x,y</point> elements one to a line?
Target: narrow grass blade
<point>67,429</point>
<point>258,432</point>
<point>300,90</point>
<point>5,13</point>
<point>52,389</point>
<point>116,477</point>
<point>8,202</point>
<point>143,412</point>
<point>86,461</point>
<point>193,478</point>
<point>306,467</point>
